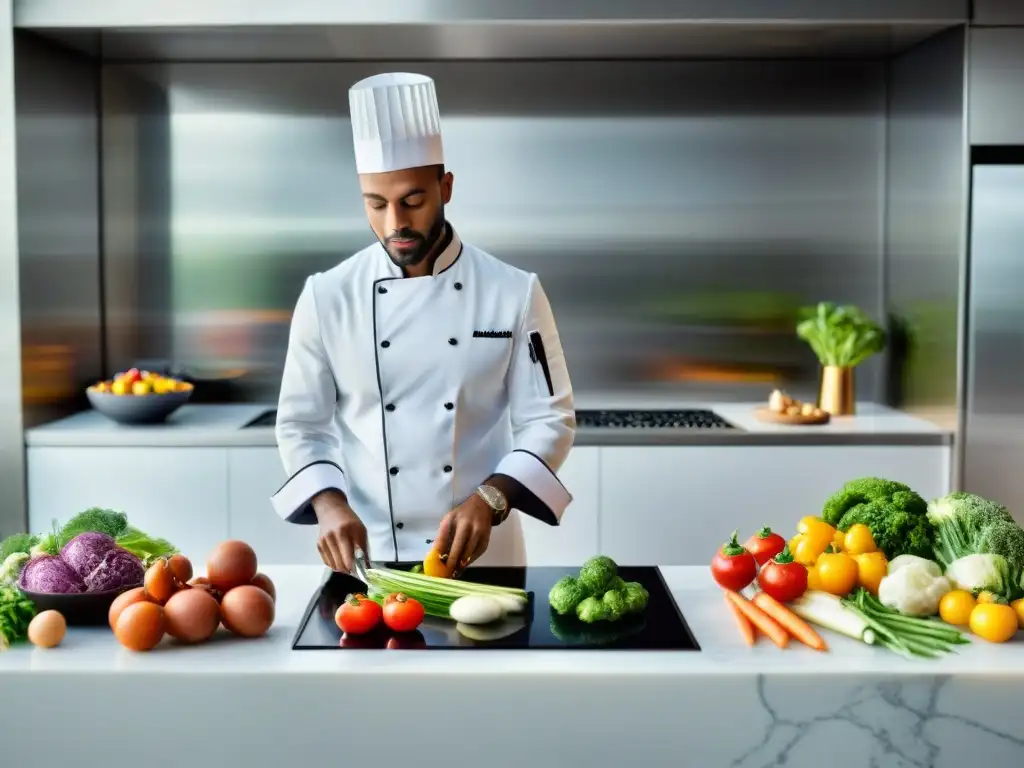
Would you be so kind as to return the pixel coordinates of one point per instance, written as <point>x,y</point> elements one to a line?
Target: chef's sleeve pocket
<point>542,369</point>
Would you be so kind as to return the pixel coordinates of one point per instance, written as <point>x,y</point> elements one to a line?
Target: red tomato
<point>764,545</point>
<point>407,641</point>
<point>357,616</point>
<point>403,614</point>
<point>782,578</point>
<point>732,566</point>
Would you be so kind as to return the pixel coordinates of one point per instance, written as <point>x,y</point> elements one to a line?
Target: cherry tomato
<point>764,545</point>
<point>357,616</point>
<point>732,566</point>
<point>403,614</point>
<point>782,578</point>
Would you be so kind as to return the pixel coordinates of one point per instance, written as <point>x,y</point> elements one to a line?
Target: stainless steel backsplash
<point>677,212</point>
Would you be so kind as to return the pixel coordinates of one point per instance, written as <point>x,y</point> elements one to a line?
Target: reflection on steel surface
<point>676,212</point>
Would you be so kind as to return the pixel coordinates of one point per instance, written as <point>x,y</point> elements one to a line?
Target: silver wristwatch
<point>496,501</point>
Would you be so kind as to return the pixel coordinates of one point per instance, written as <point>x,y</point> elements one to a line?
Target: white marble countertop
<point>223,425</point>
<point>95,651</point>
<point>256,703</point>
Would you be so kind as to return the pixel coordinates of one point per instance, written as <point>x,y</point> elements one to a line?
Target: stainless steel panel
<point>926,224</point>
<point>676,211</point>
<point>58,227</point>
<point>486,41</point>
<point>998,12</point>
<point>997,86</point>
<point>13,512</point>
<point>42,14</point>
<point>994,433</point>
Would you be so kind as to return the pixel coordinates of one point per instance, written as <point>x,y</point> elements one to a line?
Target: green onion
<point>907,635</point>
<point>435,594</point>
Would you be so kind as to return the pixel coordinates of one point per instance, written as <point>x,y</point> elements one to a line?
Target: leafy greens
<point>841,336</point>
<point>108,521</point>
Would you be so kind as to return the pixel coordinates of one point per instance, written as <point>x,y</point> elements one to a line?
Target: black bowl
<point>84,609</point>
<point>138,409</point>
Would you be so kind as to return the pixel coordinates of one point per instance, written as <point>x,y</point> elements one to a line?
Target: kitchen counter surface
<point>223,425</point>
<point>732,705</point>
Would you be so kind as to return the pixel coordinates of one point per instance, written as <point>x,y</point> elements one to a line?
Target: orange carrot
<point>792,623</point>
<point>746,628</point>
<point>760,619</point>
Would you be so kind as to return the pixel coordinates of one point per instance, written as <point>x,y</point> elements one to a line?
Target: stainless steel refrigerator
<point>993,430</point>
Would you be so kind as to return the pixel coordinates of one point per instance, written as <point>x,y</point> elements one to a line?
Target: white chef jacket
<point>406,393</point>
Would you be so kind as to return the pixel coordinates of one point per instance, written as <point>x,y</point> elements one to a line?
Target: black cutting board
<point>660,627</point>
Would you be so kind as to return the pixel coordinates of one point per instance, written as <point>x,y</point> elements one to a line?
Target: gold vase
<point>837,396</point>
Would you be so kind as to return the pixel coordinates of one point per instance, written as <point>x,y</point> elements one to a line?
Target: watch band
<point>496,501</point>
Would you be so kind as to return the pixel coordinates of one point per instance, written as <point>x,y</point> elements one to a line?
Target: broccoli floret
<point>566,594</point>
<point>1002,538</point>
<point>857,492</point>
<point>635,596</point>
<point>614,605</point>
<point>590,610</point>
<point>11,567</point>
<point>898,524</point>
<point>598,574</point>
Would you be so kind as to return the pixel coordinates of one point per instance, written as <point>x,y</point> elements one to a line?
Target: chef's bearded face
<point>406,210</point>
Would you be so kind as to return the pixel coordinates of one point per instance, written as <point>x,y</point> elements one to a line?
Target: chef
<point>425,400</point>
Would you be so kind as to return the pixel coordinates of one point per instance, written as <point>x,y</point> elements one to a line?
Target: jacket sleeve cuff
<point>547,498</point>
<point>292,499</point>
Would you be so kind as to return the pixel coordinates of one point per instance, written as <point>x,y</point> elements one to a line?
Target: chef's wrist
<point>330,503</point>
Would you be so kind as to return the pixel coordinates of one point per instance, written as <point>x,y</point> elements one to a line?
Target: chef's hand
<point>341,532</point>
<point>465,532</point>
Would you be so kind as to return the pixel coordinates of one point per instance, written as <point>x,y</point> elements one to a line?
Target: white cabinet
<point>254,475</point>
<point>179,494</point>
<point>662,505</point>
<point>576,538</point>
<point>674,505</point>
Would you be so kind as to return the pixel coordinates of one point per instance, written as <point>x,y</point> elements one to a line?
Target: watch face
<point>494,497</point>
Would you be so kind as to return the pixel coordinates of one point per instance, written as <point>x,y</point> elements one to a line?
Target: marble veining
<point>885,723</point>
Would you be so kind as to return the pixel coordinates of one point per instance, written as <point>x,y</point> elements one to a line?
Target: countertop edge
<point>608,438</point>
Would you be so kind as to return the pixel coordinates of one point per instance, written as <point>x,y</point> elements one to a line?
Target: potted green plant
<point>842,337</point>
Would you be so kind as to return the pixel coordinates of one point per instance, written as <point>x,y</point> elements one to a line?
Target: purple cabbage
<point>50,575</point>
<point>119,569</point>
<point>86,551</point>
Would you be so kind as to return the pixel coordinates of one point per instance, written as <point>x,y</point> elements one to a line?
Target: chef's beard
<point>426,243</point>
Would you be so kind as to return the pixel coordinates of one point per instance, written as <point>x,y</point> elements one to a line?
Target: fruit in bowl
<point>136,382</point>
<point>139,397</point>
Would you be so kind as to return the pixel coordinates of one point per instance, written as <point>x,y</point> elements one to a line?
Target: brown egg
<point>140,626</point>
<point>122,601</point>
<point>231,564</point>
<point>159,582</point>
<point>47,629</point>
<point>263,581</point>
<point>247,611</point>
<point>203,583</point>
<point>181,568</point>
<point>192,616</point>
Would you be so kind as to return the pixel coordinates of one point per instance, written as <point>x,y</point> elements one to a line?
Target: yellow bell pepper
<point>839,541</point>
<point>812,539</point>
<point>858,540</point>
<point>838,573</point>
<point>872,567</point>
